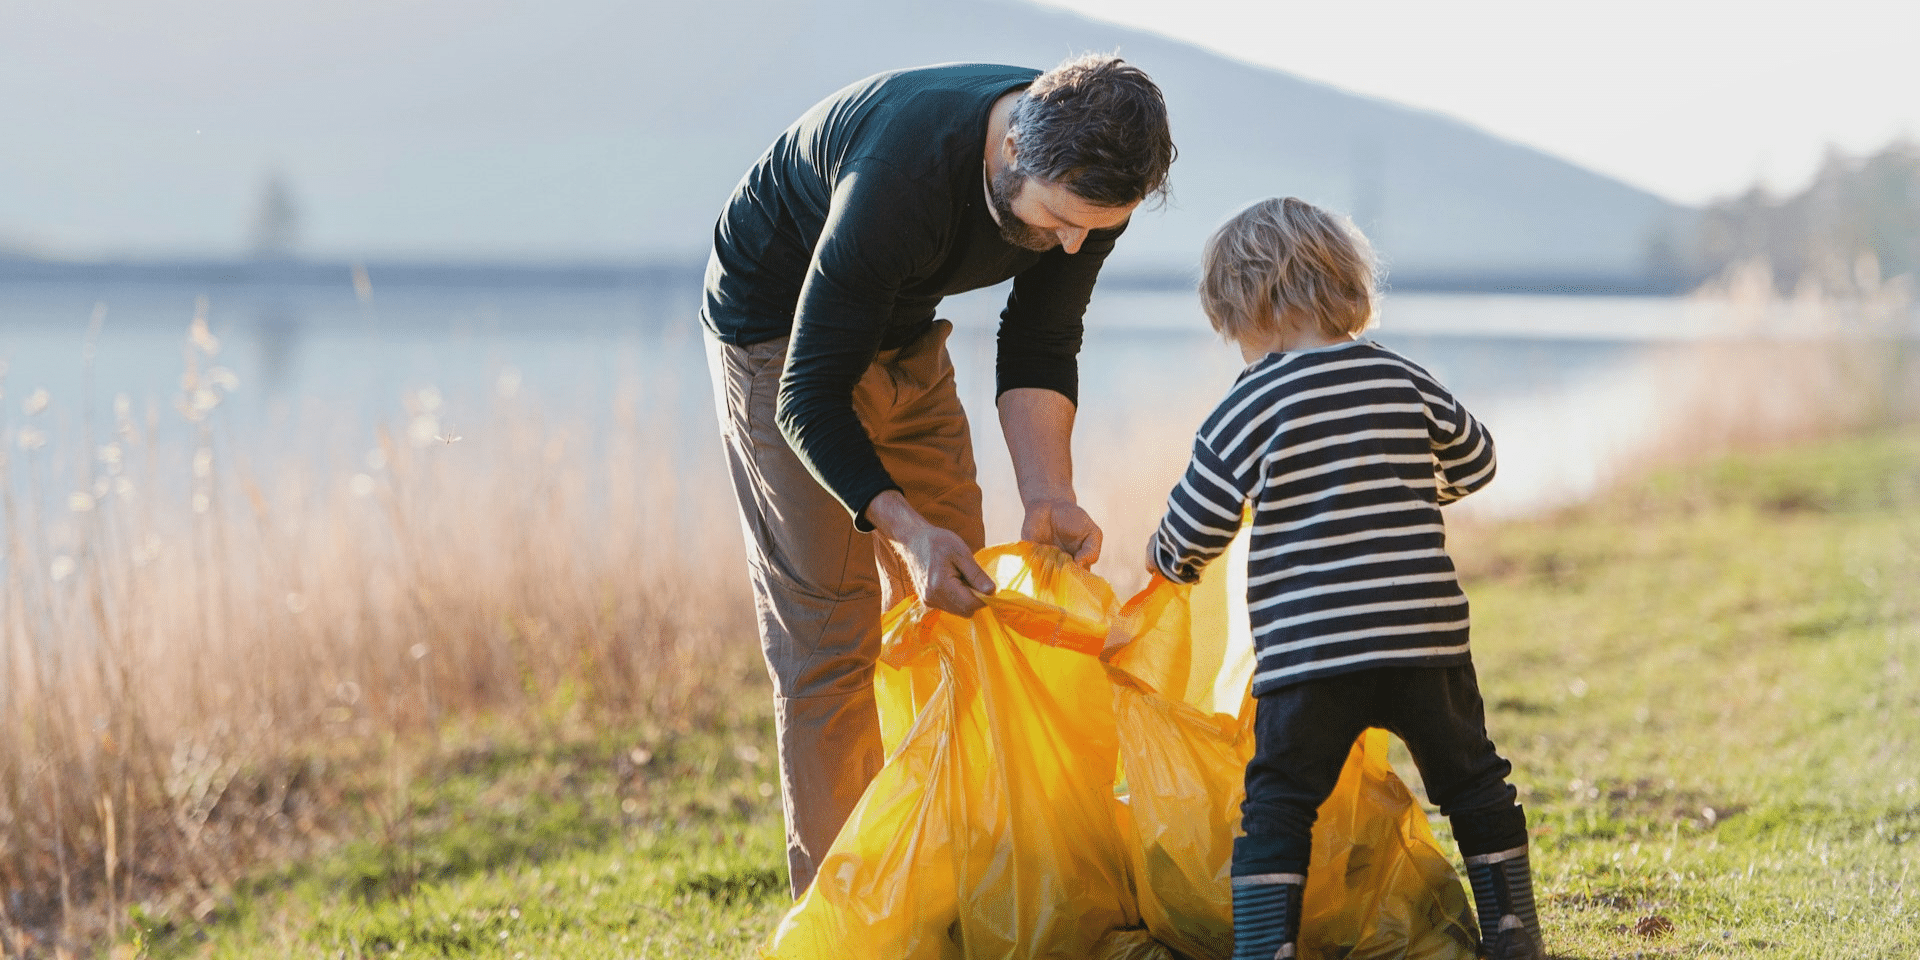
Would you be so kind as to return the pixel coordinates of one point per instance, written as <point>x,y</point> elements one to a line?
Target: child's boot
<point>1266,915</point>
<point>1503,898</point>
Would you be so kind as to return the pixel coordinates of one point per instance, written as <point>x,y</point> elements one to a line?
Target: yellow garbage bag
<point>1184,778</point>
<point>989,832</point>
<point>1038,803</point>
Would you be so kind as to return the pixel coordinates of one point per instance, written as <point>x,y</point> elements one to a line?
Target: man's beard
<point>1004,187</point>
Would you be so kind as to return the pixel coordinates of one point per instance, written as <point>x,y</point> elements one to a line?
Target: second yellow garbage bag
<point>1379,886</point>
<point>1039,803</point>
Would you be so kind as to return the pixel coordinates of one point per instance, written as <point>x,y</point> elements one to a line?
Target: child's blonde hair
<point>1282,262</point>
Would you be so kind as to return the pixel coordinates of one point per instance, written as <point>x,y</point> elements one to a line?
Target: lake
<point>1564,383</point>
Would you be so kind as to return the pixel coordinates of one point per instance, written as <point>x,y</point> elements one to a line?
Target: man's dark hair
<point>1098,126</point>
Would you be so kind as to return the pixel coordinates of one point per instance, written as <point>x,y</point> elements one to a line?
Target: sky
<point>1691,99</point>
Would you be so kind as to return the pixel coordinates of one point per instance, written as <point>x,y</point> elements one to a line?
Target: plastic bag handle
<point>909,625</point>
<point>1048,624</point>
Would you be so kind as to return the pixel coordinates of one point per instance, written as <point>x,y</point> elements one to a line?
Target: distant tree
<point>1854,208</point>
<point>275,233</point>
<point>1667,251</point>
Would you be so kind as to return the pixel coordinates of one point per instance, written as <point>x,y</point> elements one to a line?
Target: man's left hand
<point>1063,524</point>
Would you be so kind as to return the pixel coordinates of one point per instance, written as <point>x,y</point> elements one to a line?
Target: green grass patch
<point>636,843</point>
<point>1709,684</point>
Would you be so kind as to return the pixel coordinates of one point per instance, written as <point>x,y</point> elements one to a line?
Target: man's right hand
<point>944,573</point>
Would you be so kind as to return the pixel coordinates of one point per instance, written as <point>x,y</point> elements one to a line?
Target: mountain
<point>613,130</point>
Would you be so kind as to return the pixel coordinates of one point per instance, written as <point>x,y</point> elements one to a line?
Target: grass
<point>265,712</point>
<point>1709,686</point>
<point>1707,683</point>
<point>649,842</point>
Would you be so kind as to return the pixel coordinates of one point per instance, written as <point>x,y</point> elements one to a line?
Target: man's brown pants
<point>817,582</point>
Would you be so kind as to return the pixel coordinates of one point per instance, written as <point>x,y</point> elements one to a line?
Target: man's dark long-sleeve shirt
<point>852,227</point>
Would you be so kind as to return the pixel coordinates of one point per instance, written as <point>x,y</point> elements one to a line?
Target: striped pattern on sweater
<point>1345,455</point>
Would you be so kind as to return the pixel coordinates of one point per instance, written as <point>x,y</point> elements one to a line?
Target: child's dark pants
<point>1303,732</point>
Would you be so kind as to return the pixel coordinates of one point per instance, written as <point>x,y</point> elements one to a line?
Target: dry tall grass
<point>1837,355</point>
<point>1762,370</point>
<point>188,653</point>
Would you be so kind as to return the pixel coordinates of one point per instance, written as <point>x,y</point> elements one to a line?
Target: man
<point>835,393</point>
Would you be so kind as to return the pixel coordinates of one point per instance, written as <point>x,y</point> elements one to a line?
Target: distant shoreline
<point>682,273</point>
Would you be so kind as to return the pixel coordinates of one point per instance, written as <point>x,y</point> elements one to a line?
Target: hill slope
<point>599,128</point>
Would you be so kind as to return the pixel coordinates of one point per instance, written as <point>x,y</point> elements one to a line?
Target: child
<point>1345,451</point>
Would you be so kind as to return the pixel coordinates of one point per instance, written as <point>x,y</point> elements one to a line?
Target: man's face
<point>1037,215</point>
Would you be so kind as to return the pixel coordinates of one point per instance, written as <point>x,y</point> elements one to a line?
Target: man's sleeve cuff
<point>1061,374</point>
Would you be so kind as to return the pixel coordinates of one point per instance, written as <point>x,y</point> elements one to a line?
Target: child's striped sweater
<point>1345,454</point>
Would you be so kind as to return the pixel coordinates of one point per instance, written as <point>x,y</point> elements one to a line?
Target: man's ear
<point>1010,150</point>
